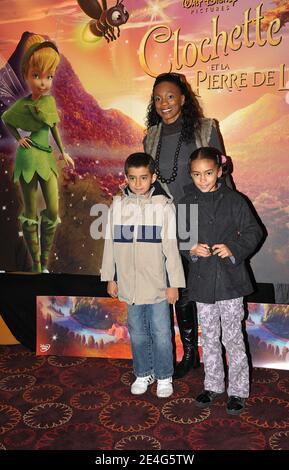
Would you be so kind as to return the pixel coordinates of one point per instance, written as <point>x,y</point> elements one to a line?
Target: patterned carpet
<point>78,403</point>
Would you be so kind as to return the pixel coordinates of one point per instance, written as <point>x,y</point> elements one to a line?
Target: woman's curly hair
<point>191,109</point>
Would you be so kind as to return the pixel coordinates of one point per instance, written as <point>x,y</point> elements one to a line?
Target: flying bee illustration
<point>105,20</point>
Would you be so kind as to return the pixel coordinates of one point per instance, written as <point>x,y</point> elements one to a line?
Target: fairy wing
<point>11,88</point>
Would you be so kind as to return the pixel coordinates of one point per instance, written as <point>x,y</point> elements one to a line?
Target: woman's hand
<point>221,250</point>
<point>68,160</point>
<point>172,295</point>
<point>25,142</point>
<point>112,289</point>
<point>201,249</point>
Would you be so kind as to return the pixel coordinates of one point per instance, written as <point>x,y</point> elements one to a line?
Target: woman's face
<point>38,82</point>
<point>168,101</point>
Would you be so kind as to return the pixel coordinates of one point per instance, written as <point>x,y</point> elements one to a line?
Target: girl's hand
<point>112,288</point>
<point>68,160</point>
<point>25,142</point>
<point>172,295</point>
<point>201,249</point>
<point>221,250</point>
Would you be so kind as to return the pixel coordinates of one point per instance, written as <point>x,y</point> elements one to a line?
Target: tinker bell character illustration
<point>35,162</point>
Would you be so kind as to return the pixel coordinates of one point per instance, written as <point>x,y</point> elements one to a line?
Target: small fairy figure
<point>35,161</point>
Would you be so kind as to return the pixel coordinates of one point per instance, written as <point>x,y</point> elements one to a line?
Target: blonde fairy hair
<point>45,59</point>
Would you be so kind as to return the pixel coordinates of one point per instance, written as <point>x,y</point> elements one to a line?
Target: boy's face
<point>139,180</point>
<point>204,174</point>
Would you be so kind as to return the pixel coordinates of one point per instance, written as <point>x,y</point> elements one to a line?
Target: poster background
<point>82,326</point>
<point>89,326</point>
<point>102,92</point>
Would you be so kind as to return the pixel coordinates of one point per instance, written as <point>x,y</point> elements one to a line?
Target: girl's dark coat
<point>223,217</point>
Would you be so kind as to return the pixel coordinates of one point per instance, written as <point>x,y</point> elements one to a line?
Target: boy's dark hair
<point>208,153</point>
<point>138,159</point>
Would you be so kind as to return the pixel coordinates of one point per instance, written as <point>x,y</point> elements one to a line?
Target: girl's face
<point>168,101</point>
<point>204,173</point>
<point>39,82</point>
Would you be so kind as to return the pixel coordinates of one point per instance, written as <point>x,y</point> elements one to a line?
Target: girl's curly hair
<point>191,109</point>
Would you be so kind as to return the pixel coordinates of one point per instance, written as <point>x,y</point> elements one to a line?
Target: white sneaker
<point>165,388</point>
<point>141,384</point>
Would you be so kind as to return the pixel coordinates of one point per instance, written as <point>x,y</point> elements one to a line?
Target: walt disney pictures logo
<point>204,6</point>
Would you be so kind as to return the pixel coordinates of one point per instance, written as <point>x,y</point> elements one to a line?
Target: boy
<point>142,265</point>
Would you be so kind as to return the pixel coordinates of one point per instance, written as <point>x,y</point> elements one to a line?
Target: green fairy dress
<point>38,117</point>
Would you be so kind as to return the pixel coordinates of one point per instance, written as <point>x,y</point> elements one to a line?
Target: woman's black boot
<point>188,326</point>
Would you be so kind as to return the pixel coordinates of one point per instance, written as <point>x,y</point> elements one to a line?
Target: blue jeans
<point>149,327</point>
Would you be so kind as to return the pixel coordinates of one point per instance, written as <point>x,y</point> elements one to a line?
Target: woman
<point>175,128</point>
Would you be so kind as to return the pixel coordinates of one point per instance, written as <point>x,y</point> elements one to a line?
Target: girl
<point>175,128</point>
<point>35,162</point>
<point>227,234</point>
